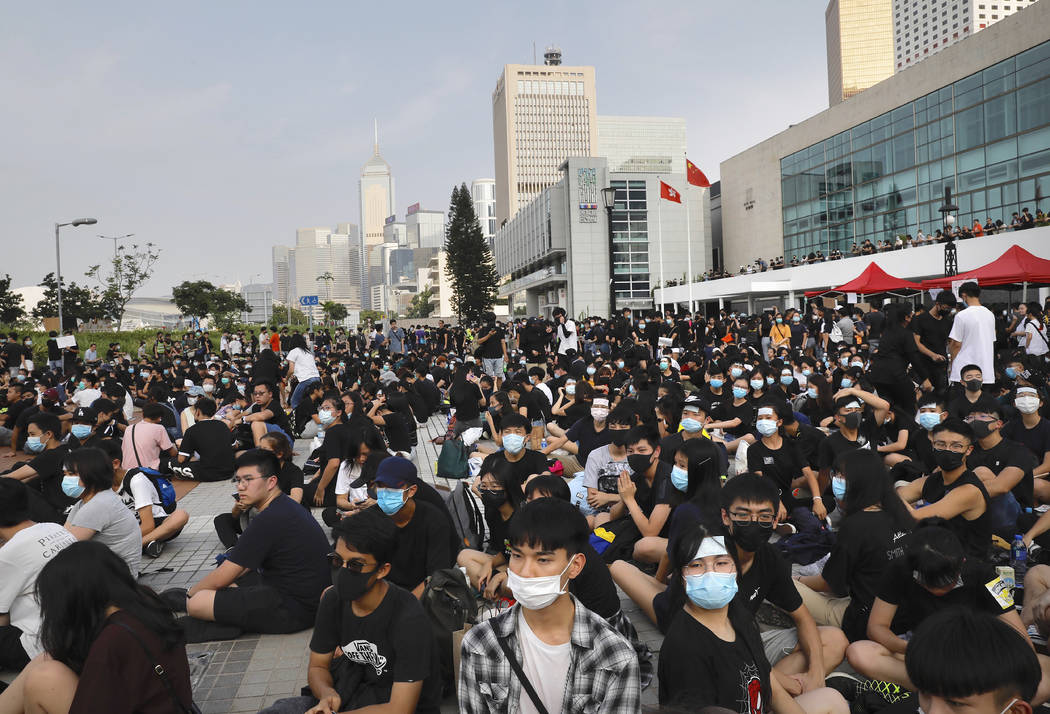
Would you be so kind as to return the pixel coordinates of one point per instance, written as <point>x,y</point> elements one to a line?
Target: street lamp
<point>609,199</point>
<point>58,259</point>
<point>116,239</point>
<point>951,257</point>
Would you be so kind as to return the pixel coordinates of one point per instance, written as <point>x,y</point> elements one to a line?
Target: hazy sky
<point>215,129</point>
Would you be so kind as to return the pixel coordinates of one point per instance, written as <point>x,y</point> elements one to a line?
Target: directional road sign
<point>307,300</point>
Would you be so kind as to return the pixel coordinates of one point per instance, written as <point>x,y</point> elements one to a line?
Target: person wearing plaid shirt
<point>574,660</point>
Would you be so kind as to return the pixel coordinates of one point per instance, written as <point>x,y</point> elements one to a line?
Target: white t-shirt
<point>974,330</point>
<point>1037,345</point>
<point>86,397</point>
<point>21,560</point>
<point>305,366</point>
<point>143,494</point>
<point>572,342</point>
<point>348,473</point>
<point>546,667</point>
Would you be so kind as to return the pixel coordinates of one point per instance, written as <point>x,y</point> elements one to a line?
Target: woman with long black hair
<point>99,514</point>
<point>712,655</point>
<point>111,645</point>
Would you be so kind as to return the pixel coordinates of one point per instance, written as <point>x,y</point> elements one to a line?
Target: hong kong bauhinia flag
<point>670,193</point>
<point>695,176</point>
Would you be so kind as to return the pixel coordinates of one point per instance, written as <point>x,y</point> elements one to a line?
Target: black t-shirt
<point>386,646</point>
<point>213,441</point>
<point>728,411</point>
<point>975,535</point>
<point>867,541</point>
<point>573,414</point>
<point>768,578</point>
<point>336,443</point>
<point>875,320</point>
<point>277,416</point>
<point>398,427</point>
<point>54,352</point>
<point>288,548</point>
<point>868,435</point>
<point>933,333</point>
<point>291,476</point>
<point>783,465</point>
<point>594,586</point>
<point>587,438</point>
<point>464,397</point>
<point>422,547</point>
<point>661,491</point>
<point>1037,439</point>
<point>537,408</point>
<point>531,462</point>
<point>808,439</point>
<point>698,669</point>
<point>1007,453</point>
<point>961,407</point>
<point>979,588</point>
<point>492,348</point>
<point>48,467</point>
<point>15,410</point>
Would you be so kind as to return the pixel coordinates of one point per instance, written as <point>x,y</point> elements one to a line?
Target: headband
<point>712,545</point>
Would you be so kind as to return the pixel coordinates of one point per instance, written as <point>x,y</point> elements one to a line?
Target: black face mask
<point>973,385</point>
<point>350,586</point>
<point>640,463</point>
<point>852,420</point>
<point>981,429</point>
<point>619,437</point>
<point>492,498</point>
<point>750,536</point>
<point>948,460</point>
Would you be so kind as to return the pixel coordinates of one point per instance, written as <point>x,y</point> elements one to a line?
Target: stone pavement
<point>249,673</point>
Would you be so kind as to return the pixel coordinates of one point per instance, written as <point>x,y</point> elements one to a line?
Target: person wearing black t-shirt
<point>265,414</point>
<point>972,398</point>
<point>380,632</point>
<point>466,398</point>
<point>953,492</point>
<point>931,329</point>
<point>934,575</point>
<point>735,416</point>
<point>523,462</point>
<point>211,440</point>
<point>423,531</point>
<point>647,499</point>
<point>43,473</point>
<point>856,429</point>
<point>1005,468</point>
<point>501,497</point>
<point>780,459</point>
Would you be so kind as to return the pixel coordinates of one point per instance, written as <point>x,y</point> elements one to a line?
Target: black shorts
<point>12,655</point>
<point>258,608</point>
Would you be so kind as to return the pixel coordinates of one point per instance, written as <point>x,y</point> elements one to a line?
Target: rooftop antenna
<point>534,51</point>
<point>376,125</point>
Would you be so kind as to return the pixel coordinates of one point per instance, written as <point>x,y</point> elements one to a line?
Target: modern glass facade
<point>986,136</point>
<point>630,240</point>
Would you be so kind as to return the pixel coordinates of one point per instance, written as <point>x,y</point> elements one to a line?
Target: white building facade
<point>483,193</point>
<point>643,144</point>
<point>924,27</point>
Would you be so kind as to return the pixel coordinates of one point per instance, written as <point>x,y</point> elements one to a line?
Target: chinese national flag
<point>695,176</point>
<point>669,193</point>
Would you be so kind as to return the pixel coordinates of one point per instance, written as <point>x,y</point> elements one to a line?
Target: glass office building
<point>987,137</point>
<point>630,240</point>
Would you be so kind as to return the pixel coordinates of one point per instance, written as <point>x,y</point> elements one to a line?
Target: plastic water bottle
<point>1019,561</point>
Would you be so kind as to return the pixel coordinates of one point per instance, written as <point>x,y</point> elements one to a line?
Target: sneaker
<point>889,691</point>
<point>848,685</point>
<point>1037,637</point>
<point>175,598</point>
<point>154,548</point>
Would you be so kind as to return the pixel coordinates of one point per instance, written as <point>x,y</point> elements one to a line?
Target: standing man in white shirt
<point>972,339</point>
<point>568,339</point>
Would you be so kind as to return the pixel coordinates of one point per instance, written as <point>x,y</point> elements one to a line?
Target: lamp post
<point>58,259</point>
<point>609,199</point>
<point>951,256</point>
<point>115,240</point>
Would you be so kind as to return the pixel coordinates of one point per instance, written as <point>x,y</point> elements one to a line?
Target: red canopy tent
<point>872,281</point>
<point>1014,267</point>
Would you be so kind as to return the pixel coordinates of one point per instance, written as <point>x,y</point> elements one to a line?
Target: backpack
<point>164,488</point>
<point>467,516</point>
<point>449,606</point>
<point>452,460</point>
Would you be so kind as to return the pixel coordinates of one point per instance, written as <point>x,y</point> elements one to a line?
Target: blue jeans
<point>301,391</point>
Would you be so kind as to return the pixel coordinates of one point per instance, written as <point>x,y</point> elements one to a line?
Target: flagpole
<point>660,245</point>
<point>689,251</point>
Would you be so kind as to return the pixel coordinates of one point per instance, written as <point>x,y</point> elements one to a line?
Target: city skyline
<point>183,132</point>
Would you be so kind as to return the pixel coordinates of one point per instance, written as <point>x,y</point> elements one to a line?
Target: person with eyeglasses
<point>265,413</point>
<point>953,491</point>
<point>270,581</point>
<point>366,648</point>
<point>1005,467</point>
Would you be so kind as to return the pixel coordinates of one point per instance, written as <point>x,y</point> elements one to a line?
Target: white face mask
<point>1027,405</point>
<point>539,592</point>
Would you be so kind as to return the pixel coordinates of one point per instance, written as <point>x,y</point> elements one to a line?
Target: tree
<point>11,308</point>
<point>469,265</point>
<point>280,316</point>
<point>333,311</point>
<point>226,306</point>
<point>78,301</point>
<point>420,306</point>
<point>199,298</point>
<point>128,271</point>
<point>368,316</point>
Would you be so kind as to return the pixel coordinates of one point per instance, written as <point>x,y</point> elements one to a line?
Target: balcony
<point>543,278</point>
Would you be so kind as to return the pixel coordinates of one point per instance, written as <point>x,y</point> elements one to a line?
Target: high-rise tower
<point>860,46</point>
<point>376,195</point>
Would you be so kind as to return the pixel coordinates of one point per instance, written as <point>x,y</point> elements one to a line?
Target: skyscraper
<point>283,276</point>
<point>322,263</point>
<point>483,193</point>
<point>541,115</point>
<point>924,27</point>
<point>860,45</point>
<point>376,196</point>
<point>654,145</point>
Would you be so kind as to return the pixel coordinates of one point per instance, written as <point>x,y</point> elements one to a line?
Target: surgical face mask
<point>711,591</point>
<point>225,380</point>
<point>1011,372</point>
<point>71,486</point>
<point>691,425</point>
<point>325,416</point>
<point>838,487</point>
<point>857,364</point>
<point>390,500</point>
<point>191,400</point>
<point>599,414</point>
<point>807,372</point>
<point>664,364</point>
<point>928,420</point>
<point>1027,404</point>
<point>846,383</point>
<point>796,319</point>
<point>241,388</point>
<point>35,444</point>
<point>513,443</point>
<point>619,364</point>
<point>786,379</point>
<point>739,392</point>
<point>736,372</point>
<point>143,374</point>
<point>766,427</point>
<point>716,383</point>
<point>208,388</point>
<point>570,389</point>
<point>844,361</point>
<point>811,393</point>
<point>536,593</point>
<point>80,430</point>
<point>641,325</point>
<point>769,380</point>
<point>591,371</point>
<point>780,321</point>
<point>679,478</point>
<point>81,385</point>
